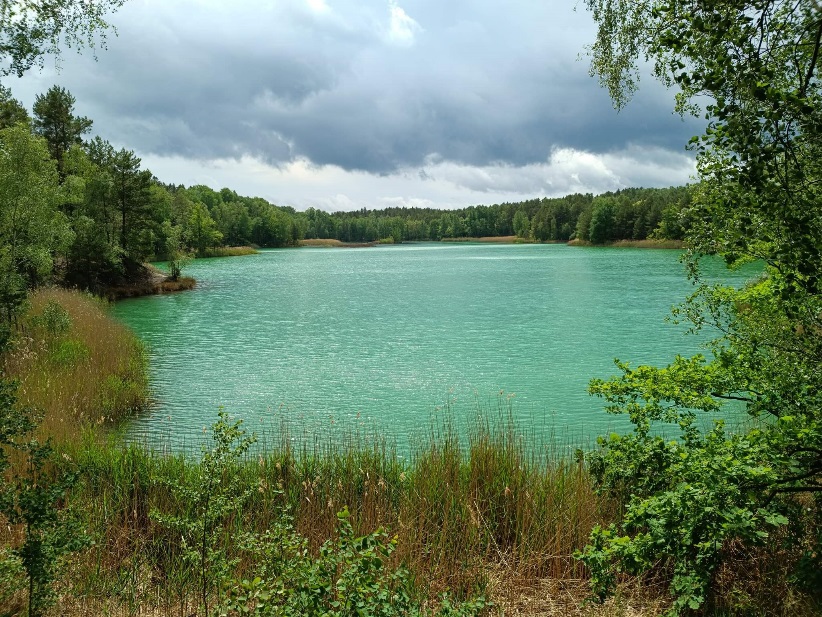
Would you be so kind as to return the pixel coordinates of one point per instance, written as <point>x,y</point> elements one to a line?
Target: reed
<point>461,512</point>
<point>75,365</point>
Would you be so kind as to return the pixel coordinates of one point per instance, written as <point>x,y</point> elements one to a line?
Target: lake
<point>393,340</point>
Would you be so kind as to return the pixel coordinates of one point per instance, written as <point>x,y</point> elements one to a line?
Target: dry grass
<point>568,597</point>
<point>228,251</point>
<point>332,243</point>
<point>93,372</point>
<point>184,283</point>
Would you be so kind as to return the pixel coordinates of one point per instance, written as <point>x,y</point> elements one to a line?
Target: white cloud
<point>278,99</point>
<point>402,28</point>
<point>318,6</point>
<point>439,184</point>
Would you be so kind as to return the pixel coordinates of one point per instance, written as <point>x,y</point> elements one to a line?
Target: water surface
<point>384,339</point>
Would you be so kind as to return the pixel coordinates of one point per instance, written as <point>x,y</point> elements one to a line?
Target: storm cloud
<point>485,96</point>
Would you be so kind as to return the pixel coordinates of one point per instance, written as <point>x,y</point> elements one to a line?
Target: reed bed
<point>75,365</point>
<point>463,514</point>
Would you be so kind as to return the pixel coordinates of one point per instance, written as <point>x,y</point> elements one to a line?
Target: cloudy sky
<point>343,104</point>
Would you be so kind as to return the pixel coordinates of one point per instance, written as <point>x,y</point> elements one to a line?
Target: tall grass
<point>461,512</point>
<point>75,365</point>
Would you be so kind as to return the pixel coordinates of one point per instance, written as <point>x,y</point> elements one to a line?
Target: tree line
<point>79,210</point>
<point>628,214</point>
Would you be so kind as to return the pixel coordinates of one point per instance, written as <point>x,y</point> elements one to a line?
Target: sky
<point>345,104</point>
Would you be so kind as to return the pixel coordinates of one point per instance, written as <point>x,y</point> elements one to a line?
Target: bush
<point>351,577</point>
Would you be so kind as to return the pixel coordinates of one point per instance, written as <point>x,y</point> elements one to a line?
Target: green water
<point>386,339</point>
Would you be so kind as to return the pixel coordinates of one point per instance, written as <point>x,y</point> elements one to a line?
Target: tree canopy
<point>33,29</point>
<point>754,66</point>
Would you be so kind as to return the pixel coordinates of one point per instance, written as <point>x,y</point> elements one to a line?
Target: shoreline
<point>152,281</point>
<point>639,244</point>
<point>333,243</point>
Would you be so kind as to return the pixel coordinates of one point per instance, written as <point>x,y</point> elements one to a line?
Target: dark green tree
<point>55,121</point>
<point>32,231</point>
<point>11,110</point>
<point>601,227</point>
<point>201,230</point>
<point>521,224</point>
<point>132,197</point>
<point>95,258</point>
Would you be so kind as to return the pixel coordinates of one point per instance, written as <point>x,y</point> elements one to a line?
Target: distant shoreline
<point>639,244</point>
<point>334,243</point>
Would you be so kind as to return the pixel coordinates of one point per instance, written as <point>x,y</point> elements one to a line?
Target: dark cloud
<point>373,86</point>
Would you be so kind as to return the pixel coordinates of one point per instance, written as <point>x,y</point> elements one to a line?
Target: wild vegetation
<point>74,364</point>
<point>693,505</point>
<point>630,214</point>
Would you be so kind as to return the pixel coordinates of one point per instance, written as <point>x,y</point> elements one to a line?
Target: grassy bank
<point>486,517</point>
<point>75,365</point>
<point>332,243</point>
<point>491,240</point>
<point>149,280</point>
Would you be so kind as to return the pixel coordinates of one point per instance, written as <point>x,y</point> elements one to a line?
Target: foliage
<point>208,499</point>
<point>31,30</point>
<point>456,509</point>
<point>521,224</point>
<point>54,120</point>
<point>31,228</point>
<point>201,229</point>
<point>11,110</point>
<point>688,499</point>
<point>54,319</point>
<point>600,229</point>
<point>351,577</point>
<point>31,498</point>
<point>174,253</point>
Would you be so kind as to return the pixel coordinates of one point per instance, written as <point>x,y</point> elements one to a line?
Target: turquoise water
<point>385,340</point>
